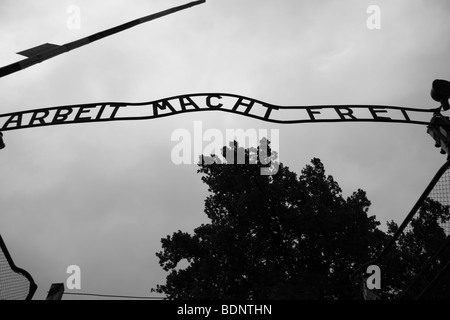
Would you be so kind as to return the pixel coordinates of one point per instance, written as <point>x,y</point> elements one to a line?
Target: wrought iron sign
<point>120,111</point>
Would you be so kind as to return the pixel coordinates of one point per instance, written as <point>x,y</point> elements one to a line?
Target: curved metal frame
<point>185,104</point>
<point>33,286</point>
<point>405,222</point>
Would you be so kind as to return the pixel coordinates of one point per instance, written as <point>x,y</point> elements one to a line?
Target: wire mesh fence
<point>441,194</point>
<point>15,283</point>
<point>428,235</point>
<point>416,260</point>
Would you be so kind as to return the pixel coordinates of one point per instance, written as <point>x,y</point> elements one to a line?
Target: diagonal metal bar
<point>426,268</point>
<point>435,281</point>
<point>55,50</point>
<point>32,285</point>
<point>356,274</point>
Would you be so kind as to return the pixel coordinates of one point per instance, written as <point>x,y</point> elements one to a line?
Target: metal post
<point>56,291</point>
<point>2,143</point>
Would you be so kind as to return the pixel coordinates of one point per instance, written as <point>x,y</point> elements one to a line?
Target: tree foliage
<point>285,236</point>
<point>415,248</point>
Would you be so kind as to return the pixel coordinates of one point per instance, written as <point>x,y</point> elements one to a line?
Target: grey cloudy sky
<point>101,196</point>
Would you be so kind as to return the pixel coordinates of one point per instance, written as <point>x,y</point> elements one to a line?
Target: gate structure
<point>431,210</point>
<point>415,263</point>
<point>15,283</point>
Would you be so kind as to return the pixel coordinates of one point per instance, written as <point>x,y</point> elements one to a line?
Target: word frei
<point>210,102</point>
<point>193,144</point>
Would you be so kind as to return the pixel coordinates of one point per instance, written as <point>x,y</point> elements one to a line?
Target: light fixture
<point>440,91</point>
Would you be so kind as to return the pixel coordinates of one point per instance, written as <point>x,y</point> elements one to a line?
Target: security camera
<point>440,91</point>
<point>2,143</point>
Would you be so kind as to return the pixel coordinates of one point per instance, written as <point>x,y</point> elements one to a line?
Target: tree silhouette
<point>415,249</point>
<point>281,236</point>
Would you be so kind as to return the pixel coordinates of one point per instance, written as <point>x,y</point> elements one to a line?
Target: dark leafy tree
<point>414,258</point>
<point>280,236</point>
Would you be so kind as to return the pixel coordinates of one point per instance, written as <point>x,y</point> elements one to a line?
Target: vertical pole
<point>2,143</point>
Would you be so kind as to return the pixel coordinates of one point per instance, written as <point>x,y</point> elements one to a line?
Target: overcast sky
<point>102,195</point>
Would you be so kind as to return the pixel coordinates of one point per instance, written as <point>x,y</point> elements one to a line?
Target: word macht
<point>182,151</point>
<point>203,102</point>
